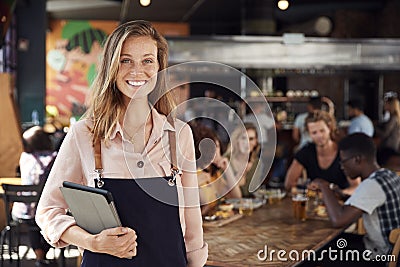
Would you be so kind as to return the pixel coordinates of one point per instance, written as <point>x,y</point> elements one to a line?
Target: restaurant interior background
<point>340,48</point>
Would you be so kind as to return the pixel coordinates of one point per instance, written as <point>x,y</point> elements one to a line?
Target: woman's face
<point>137,64</point>
<point>319,132</point>
<point>244,143</point>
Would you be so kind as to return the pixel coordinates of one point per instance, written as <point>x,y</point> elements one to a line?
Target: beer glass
<point>299,202</point>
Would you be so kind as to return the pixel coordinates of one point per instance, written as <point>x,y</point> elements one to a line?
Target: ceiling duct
<point>277,52</point>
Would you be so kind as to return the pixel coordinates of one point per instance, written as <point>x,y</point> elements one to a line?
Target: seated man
<point>376,199</point>
<point>320,159</point>
<point>360,123</point>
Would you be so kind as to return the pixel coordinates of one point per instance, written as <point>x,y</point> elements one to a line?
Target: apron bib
<point>140,205</point>
<point>150,207</point>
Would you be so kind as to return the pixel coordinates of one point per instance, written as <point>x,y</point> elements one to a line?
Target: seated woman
<point>35,161</point>
<point>215,179</point>
<point>244,153</point>
<point>321,157</point>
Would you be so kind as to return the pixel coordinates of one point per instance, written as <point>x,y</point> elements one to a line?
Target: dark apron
<point>159,235</point>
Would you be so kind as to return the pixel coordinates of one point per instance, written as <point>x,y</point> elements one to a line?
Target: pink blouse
<point>75,163</point>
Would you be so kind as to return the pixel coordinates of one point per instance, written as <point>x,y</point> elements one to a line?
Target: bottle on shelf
<point>35,117</point>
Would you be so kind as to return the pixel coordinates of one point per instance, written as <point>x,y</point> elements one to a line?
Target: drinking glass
<point>299,202</point>
<point>246,206</point>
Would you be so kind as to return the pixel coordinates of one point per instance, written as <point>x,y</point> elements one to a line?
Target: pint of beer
<point>246,206</point>
<point>274,196</point>
<point>299,203</point>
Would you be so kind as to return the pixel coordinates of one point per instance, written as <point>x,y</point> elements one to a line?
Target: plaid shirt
<point>389,212</point>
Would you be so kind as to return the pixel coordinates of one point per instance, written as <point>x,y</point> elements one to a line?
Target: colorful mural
<point>73,51</point>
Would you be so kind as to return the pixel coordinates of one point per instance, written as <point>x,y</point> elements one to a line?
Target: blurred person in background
<point>260,117</point>
<point>35,161</point>
<point>299,132</point>
<point>386,96</point>
<point>320,159</point>
<point>265,125</point>
<point>244,156</point>
<point>216,179</point>
<point>389,132</point>
<point>359,121</point>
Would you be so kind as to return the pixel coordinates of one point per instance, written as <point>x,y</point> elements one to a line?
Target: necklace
<point>131,138</point>
<point>138,130</point>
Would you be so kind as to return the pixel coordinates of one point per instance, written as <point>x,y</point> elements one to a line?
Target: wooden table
<point>238,243</point>
<point>9,180</point>
<point>5,180</point>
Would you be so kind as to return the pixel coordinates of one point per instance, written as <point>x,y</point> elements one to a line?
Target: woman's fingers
<point>117,231</point>
<point>118,241</point>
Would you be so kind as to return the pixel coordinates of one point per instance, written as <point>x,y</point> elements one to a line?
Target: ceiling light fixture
<point>145,2</point>
<point>283,4</point>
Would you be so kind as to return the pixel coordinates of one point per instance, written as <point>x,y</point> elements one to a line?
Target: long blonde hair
<point>106,106</point>
<point>233,150</point>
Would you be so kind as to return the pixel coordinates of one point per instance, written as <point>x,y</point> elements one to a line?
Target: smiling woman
<point>127,139</point>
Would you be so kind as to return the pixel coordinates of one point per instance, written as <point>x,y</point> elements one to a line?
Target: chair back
<point>20,193</point>
<point>394,238</point>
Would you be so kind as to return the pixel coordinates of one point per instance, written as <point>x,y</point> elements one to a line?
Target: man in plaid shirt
<point>376,199</point>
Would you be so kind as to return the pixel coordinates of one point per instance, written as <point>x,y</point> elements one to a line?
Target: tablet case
<point>92,208</point>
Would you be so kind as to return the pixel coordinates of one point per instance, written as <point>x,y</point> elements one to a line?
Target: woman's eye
<point>148,61</point>
<point>125,60</point>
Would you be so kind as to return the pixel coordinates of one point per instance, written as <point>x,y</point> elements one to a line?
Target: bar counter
<point>271,227</point>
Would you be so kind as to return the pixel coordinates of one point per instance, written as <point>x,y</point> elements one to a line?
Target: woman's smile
<point>136,83</point>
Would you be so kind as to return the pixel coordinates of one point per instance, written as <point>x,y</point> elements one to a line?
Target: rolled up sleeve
<point>51,210</point>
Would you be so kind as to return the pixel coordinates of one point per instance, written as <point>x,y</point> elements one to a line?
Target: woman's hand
<point>119,242</point>
<point>318,183</point>
<point>222,163</point>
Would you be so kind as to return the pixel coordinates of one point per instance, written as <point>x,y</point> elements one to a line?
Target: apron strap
<point>174,160</point>
<point>98,168</point>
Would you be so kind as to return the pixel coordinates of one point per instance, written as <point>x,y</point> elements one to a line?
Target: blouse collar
<point>160,124</point>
